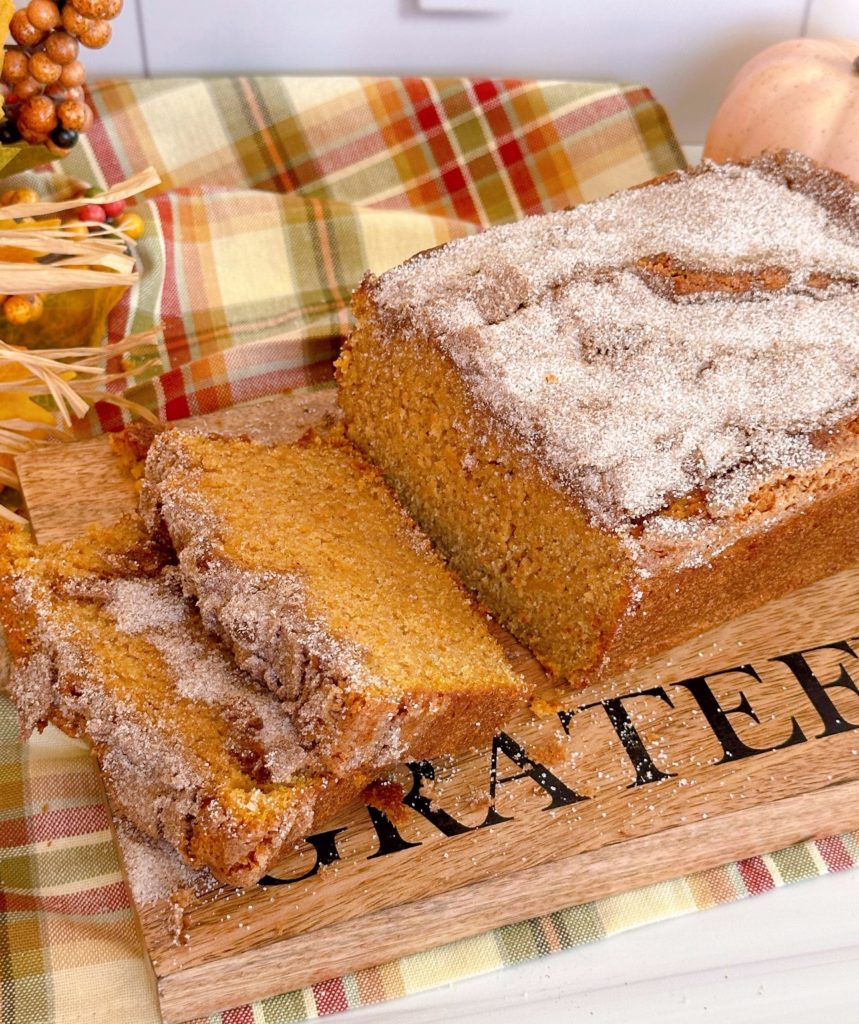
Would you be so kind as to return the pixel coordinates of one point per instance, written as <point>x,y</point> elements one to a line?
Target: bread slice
<point>192,750</point>
<point>304,564</point>
<point>625,423</point>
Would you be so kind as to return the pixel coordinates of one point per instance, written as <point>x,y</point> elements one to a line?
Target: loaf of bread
<point>192,750</point>
<point>303,562</point>
<point>625,423</point>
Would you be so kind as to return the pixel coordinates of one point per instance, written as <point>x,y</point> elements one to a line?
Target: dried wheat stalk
<point>75,378</point>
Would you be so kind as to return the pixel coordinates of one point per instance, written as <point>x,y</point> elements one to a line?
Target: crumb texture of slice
<point>193,750</point>
<point>585,408</point>
<point>303,562</point>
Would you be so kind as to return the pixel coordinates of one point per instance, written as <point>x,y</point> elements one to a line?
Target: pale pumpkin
<point>802,94</point>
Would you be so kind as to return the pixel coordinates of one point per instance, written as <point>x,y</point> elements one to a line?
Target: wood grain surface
<point>65,492</point>
<point>740,741</point>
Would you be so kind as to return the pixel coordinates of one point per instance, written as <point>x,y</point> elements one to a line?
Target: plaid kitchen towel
<point>276,195</point>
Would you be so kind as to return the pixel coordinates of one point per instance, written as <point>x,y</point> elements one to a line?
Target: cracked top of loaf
<point>696,335</point>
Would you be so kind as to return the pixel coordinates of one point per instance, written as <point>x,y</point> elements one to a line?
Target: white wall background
<point>686,50</point>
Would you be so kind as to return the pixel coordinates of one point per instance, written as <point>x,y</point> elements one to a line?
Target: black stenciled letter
<point>390,840</point>
<point>418,802</point>
<point>718,717</point>
<point>325,845</point>
<point>560,793</point>
<point>645,770</point>
<point>833,721</point>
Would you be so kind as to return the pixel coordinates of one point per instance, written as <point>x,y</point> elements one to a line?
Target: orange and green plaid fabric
<point>276,195</point>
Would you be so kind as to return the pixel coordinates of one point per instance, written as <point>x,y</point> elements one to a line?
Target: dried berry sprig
<point>96,233</point>
<point>42,76</point>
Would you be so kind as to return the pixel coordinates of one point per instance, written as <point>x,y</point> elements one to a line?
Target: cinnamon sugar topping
<point>694,335</point>
<point>192,750</point>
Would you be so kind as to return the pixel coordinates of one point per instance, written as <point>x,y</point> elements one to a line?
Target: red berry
<point>115,208</point>
<point>92,212</point>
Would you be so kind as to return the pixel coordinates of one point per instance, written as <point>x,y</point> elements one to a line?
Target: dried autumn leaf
<point>19,404</point>
<point>70,320</point>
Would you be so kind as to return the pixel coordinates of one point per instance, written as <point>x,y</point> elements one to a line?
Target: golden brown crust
<point>788,551</point>
<point>132,444</point>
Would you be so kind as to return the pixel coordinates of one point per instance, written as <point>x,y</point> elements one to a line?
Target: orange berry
<point>131,224</point>
<point>61,47</point>
<point>96,35</point>
<point>44,14</point>
<point>59,92</point>
<point>19,195</point>
<point>24,31</point>
<point>73,73</point>
<point>38,114</point>
<point>72,115</point>
<point>89,117</point>
<point>74,229</point>
<point>43,69</point>
<point>34,138</point>
<point>15,67</point>
<point>18,310</point>
<point>73,21</point>
<point>98,8</point>
<point>27,87</point>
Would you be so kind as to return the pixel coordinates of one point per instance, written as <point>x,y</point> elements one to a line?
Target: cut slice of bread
<point>304,563</point>
<point>192,749</point>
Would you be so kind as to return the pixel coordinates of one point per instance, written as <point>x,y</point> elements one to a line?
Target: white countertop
<point>791,955</point>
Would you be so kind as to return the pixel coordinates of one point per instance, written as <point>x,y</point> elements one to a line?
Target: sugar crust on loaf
<point>586,334</point>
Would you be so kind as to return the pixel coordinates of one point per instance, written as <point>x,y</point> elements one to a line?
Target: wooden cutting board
<point>741,741</point>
